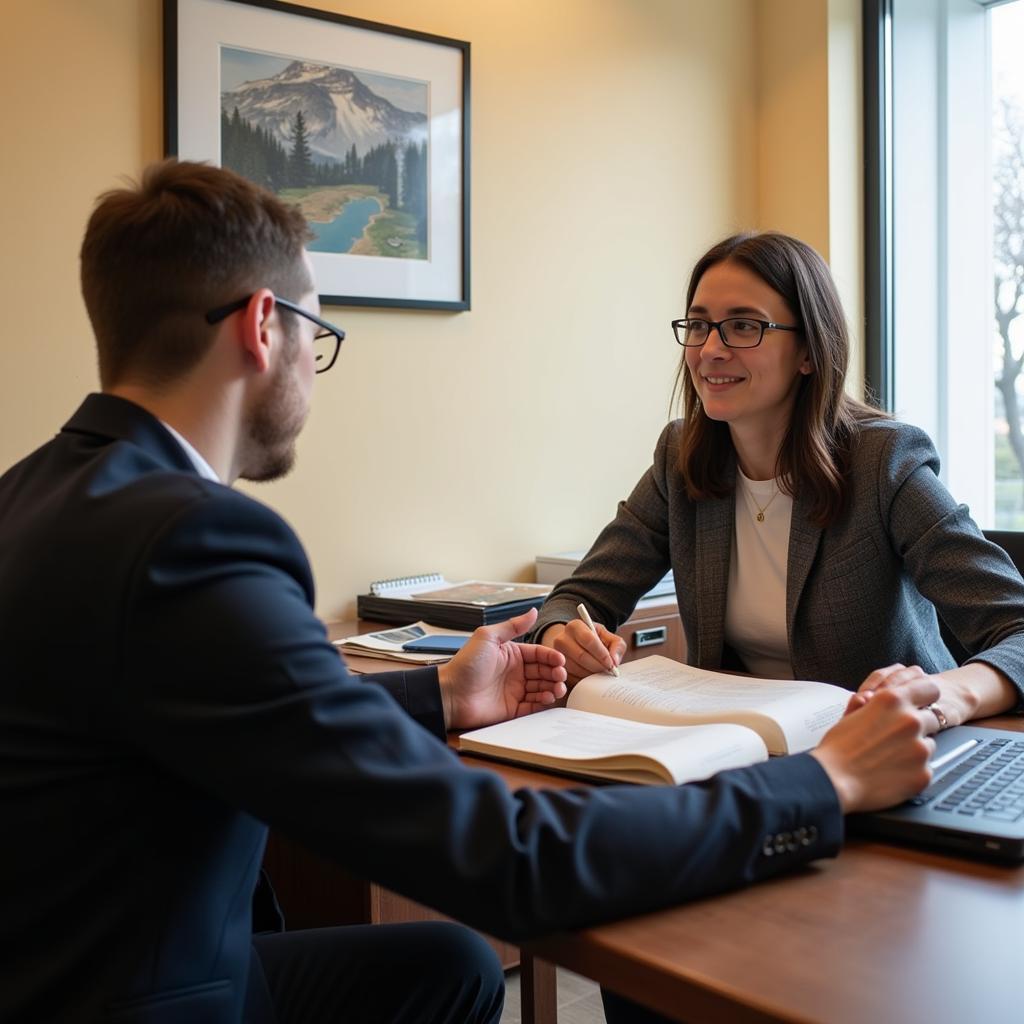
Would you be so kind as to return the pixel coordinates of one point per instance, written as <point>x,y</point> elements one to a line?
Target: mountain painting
<point>349,147</point>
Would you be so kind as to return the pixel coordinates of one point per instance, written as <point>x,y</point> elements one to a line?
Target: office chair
<point>1012,542</point>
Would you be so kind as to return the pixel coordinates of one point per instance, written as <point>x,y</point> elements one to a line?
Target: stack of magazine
<point>434,599</point>
<point>389,644</point>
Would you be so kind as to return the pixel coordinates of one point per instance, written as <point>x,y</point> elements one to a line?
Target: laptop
<point>974,804</point>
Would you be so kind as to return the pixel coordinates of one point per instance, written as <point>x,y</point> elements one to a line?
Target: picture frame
<point>365,126</point>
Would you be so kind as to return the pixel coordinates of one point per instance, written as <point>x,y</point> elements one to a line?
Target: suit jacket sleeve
<point>418,692</point>
<point>229,685</point>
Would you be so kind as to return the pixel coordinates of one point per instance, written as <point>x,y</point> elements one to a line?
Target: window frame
<point>926,378</point>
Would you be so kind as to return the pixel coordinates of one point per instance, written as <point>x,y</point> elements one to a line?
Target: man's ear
<point>255,339</point>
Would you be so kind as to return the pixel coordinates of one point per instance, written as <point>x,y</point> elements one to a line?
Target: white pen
<point>949,755</point>
<point>581,610</point>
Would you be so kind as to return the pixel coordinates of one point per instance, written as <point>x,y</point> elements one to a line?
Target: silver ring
<point>940,717</point>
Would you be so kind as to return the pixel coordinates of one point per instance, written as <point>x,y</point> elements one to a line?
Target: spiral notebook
<point>462,605</point>
<point>403,586</point>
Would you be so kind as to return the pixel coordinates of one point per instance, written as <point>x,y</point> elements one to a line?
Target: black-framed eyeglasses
<point>326,342</point>
<point>735,331</point>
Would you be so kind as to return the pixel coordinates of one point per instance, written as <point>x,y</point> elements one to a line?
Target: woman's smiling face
<point>751,389</point>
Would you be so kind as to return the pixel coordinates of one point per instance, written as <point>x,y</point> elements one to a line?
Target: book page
<point>790,715</point>
<point>614,748</point>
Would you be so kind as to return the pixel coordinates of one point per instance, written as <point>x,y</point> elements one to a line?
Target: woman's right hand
<point>584,652</point>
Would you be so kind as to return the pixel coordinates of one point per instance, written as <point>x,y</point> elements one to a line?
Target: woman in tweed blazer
<point>874,542</point>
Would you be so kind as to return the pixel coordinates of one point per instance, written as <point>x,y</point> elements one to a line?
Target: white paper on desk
<point>387,643</point>
<point>481,593</point>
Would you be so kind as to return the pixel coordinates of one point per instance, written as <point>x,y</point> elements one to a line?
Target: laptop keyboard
<point>988,784</point>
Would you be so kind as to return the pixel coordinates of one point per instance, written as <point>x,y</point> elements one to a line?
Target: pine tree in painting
<point>301,163</point>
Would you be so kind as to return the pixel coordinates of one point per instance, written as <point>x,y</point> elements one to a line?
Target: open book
<point>662,721</point>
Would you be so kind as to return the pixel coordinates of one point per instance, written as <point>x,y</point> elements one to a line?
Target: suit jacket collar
<point>804,538</point>
<point>715,525</point>
<point>116,419</point>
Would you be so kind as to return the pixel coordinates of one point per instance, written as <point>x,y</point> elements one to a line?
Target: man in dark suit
<point>166,691</point>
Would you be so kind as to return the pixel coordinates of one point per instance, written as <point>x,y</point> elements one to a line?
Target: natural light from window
<point>957,214</point>
<point>1007,162</point>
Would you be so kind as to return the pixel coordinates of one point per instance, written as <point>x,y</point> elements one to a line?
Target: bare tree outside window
<point>1008,263</point>
<point>1008,252</point>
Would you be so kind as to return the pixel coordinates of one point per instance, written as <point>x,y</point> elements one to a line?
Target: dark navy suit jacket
<point>166,692</point>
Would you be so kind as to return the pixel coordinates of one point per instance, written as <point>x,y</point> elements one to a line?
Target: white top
<point>755,605</point>
<point>203,468</point>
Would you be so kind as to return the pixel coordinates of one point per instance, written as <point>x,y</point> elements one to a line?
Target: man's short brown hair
<point>156,257</point>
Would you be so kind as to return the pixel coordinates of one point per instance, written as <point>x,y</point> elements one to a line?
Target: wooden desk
<point>881,934</point>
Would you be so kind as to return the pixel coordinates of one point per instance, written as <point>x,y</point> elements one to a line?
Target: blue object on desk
<point>437,644</point>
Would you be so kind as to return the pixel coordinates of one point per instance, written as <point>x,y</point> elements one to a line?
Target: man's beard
<point>274,425</point>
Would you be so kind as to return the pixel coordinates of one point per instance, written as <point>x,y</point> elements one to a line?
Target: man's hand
<point>584,652</point>
<point>877,755</point>
<point>493,679</point>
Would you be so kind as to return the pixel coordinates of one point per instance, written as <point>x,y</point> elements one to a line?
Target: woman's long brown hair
<point>815,452</point>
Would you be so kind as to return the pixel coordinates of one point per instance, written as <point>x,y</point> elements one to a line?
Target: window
<point>944,114</point>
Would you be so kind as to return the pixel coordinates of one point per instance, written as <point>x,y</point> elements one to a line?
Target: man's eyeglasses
<point>326,342</point>
<point>735,331</point>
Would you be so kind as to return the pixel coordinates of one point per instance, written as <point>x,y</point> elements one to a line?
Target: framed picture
<point>364,126</point>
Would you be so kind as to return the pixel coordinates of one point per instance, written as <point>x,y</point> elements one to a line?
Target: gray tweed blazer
<point>860,594</point>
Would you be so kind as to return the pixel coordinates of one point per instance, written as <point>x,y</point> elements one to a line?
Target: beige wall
<point>792,115</point>
<point>809,139</point>
<point>611,143</point>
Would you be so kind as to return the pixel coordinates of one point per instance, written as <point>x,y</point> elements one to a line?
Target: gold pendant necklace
<point>761,509</point>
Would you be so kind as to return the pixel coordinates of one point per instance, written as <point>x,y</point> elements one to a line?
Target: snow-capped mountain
<point>338,109</point>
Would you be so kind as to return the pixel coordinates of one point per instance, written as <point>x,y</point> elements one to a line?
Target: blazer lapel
<point>714,546</point>
<point>804,538</point>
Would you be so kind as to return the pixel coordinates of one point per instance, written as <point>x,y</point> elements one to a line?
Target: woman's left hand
<point>894,677</point>
<point>971,691</point>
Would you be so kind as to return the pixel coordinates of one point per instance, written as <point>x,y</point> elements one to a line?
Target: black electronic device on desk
<point>974,804</point>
